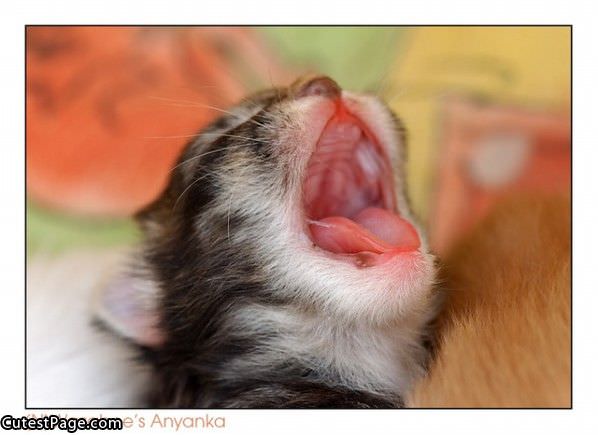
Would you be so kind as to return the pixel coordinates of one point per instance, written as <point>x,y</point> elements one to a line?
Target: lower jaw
<point>366,260</point>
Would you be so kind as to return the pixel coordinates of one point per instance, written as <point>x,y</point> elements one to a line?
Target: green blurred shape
<point>358,58</point>
<point>49,231</point>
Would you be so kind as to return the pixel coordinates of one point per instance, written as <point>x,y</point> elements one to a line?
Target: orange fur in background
<point>505,335</point>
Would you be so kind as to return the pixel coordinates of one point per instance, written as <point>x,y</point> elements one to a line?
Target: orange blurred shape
<point>109,108</point>
<point>488,152</point>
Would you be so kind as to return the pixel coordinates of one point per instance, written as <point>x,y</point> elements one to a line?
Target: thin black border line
<point>300,25</point>
<point>25,201</point>
<point>571,202</point>
<point>570,26</point>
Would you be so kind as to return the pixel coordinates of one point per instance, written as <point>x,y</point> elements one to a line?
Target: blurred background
<point>487,111</point>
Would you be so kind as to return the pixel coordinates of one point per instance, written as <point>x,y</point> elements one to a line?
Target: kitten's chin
<point>393,291</point>
<point>384,294</point>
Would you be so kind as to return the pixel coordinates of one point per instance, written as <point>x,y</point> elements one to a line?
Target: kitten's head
<point>294,198</point>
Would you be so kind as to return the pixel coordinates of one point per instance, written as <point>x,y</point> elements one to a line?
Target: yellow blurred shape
<point>522,66</point>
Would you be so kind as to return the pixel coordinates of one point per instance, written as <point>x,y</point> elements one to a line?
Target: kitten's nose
<point>321,85</point>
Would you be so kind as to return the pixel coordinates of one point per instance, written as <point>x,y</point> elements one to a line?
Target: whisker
<point>394,95</point>
<point>189,103</point>
<point>272,84</point>
<point>184,162</point>
<point>231,147</point>
<point>230,204</point>
<point>174,100</point>
<point>179,136</point>
<point>189,187</point>
<point>206,134</point>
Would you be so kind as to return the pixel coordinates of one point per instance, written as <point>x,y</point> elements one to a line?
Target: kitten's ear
<point>128,305</point>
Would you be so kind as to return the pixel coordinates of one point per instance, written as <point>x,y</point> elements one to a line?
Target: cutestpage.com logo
<point>51,422</point>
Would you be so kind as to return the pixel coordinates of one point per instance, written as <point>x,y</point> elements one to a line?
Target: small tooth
<point>368,160</point>
<point>347,129</point>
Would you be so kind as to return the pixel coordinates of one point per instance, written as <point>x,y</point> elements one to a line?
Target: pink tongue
<point>372,230</point>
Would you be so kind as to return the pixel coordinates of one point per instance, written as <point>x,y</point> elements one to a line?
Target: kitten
<point>281,266</point>
<point>505,334</point>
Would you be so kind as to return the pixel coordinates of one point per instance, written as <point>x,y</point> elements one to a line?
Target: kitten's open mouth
<point>349,197</point>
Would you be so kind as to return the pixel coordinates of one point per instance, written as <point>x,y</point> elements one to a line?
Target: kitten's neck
<point>378,359</point>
